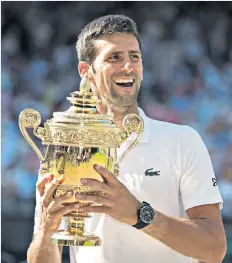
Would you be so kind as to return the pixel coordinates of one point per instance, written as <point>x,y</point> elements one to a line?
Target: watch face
<point>147,214</point>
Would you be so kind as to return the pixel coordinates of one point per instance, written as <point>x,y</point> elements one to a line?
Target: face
<point>118,70</point>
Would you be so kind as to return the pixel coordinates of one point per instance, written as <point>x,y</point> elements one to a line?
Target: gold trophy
<point>75,140</point>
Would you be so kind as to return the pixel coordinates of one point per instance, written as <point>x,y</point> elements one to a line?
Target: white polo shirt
<point>186,179</point>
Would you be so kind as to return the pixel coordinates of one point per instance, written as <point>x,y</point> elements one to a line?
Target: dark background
<point>187,55</point>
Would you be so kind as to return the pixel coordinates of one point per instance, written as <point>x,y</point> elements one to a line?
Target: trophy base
<point>66,239</point>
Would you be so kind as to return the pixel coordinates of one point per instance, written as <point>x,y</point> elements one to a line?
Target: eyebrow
<point>135,51</point>
<point>121,52</point>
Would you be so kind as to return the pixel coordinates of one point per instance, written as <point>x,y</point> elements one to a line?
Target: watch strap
<point>140,224</point>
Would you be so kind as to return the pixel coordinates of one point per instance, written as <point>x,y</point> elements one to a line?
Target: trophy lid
<point>83,110</point>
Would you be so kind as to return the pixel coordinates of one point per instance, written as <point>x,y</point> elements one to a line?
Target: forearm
<point>42,251</point>
<point>194,238</point>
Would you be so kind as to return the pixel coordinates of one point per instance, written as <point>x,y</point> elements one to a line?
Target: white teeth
<point>124,80</point>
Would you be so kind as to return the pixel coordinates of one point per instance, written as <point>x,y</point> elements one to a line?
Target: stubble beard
<point>114,100</point>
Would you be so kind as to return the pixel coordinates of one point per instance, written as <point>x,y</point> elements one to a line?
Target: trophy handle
<point>131,123</point>
<point>30,118</point>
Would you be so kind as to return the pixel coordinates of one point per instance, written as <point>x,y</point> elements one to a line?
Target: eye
<point>114,57</point>
<point>134,57</point>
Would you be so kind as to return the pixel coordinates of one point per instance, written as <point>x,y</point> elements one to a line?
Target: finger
<point>65,210</point>
<point>96,185</point>
<point>95,198</point>
<point>58,201</point>
<point>107,175</point>
<point>48,193</point>
<point>40,185</point>
<point>94,209</point>
<point>59,178</point>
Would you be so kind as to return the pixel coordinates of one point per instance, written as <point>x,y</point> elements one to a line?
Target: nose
<point>128,67</point>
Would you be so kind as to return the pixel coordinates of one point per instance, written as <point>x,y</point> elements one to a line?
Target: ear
<point>83,68</point>
<point>86,70</point>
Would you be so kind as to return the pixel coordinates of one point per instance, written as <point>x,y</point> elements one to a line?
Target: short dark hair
<point>103,27</point>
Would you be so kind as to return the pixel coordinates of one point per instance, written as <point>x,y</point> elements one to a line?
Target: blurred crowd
<point>187,58</point>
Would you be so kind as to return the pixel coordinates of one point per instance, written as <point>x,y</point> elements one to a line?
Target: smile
<point>125,83</point>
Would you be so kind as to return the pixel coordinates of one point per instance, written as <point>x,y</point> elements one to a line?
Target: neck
<point>120,113</point>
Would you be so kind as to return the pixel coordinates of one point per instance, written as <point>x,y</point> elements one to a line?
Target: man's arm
<point>201,237</point>
<point>51,211</point>
<point>42,251</point>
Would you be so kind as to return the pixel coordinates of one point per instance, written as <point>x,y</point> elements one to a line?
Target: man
<point>165,204</point>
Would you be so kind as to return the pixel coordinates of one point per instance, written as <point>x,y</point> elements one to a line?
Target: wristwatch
<point>145,215</point>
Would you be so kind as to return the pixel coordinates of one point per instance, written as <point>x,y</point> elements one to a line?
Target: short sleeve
<point>198,184</point>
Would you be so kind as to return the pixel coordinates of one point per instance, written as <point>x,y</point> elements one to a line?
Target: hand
<point>51,209</point>
<point>117,201</point>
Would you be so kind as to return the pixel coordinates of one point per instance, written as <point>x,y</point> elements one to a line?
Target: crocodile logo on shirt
<point>149,172</point>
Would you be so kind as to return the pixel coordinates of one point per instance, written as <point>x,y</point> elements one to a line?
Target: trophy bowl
<point>75,140</point>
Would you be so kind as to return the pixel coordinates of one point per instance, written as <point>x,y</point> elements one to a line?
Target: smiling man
<point>113,62</point>
<point>164,206</point>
